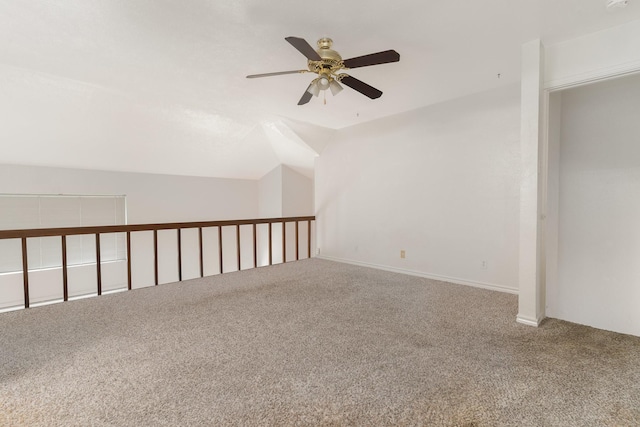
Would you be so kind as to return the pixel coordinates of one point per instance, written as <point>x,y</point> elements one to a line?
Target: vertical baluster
<point>155,255</point>
<point>98,264</point>
<point>309,238</point>
<point>129,260</point>
<point>284,242</point>
<point>179,254</point>
<point>220,247</point>
<point>201,255</point>
<point>270,244</point>
<point>65,277</point>
<point>238,244</point>
<point>297,243</point>
<point>255,246</point>
<point>25,272</point>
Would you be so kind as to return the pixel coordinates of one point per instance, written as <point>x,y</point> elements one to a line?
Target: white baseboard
<point>475,284</point>
<point>528,321</point>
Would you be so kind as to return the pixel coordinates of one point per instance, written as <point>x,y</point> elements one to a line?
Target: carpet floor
<point>310,343</point>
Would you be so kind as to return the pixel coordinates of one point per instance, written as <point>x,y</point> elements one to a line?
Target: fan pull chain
<point>325,96</point>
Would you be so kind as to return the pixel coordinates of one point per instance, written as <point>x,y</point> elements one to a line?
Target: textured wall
<point>441,183</point>
<point>596,282</point>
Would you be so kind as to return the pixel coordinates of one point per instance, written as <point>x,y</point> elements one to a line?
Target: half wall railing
<point>97,231</point>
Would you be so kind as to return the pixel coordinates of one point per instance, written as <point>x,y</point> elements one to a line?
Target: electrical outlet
<point>403,254</point>
<point>484,265</point>
<point>317,251</point>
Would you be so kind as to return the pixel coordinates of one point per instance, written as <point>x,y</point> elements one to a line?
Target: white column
<point>531,293</point>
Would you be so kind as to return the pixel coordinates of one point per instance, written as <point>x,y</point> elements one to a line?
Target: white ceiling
<point>159,85</point>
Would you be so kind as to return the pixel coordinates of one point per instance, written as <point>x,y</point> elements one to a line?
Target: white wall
<point>270,194</point>
<point>598,273</point>
<point>297,200</point>
<point>297,193</point>
<point>150,199</point>
<point>611,52</point>
<point>283,192</point>
<point>270,206</point>
<point>441,183</point>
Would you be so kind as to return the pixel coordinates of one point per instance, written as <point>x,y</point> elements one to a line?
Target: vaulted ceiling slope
<point>159,85</point>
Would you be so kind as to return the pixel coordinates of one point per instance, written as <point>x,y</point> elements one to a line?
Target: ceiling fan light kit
<point>323,82</point>
<point>335,87</point>
<point>327,63</point>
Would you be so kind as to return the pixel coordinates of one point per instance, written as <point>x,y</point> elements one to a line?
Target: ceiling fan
<point>326,63</point>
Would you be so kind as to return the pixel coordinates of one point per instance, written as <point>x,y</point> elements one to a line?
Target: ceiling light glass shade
<point>313,88</point>
<point>335,87</point>
<point>323,83</point>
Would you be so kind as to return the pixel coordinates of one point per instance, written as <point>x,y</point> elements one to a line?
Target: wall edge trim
<point>592,76</point>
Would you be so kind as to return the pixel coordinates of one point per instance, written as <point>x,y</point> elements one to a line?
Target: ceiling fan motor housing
<point>325,51</point>
<point>331,60</point>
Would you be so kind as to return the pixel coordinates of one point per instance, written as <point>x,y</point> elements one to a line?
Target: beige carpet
<point>310,343</point>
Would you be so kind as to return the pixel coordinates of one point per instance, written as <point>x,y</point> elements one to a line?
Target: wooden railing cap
<point>70,231</point>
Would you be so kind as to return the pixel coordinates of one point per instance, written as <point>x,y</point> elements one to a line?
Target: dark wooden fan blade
<point>306,97</point>
<point>361,87</point>
<point>304,48</point>
<point>278,73</point>
<point>372,59</point>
